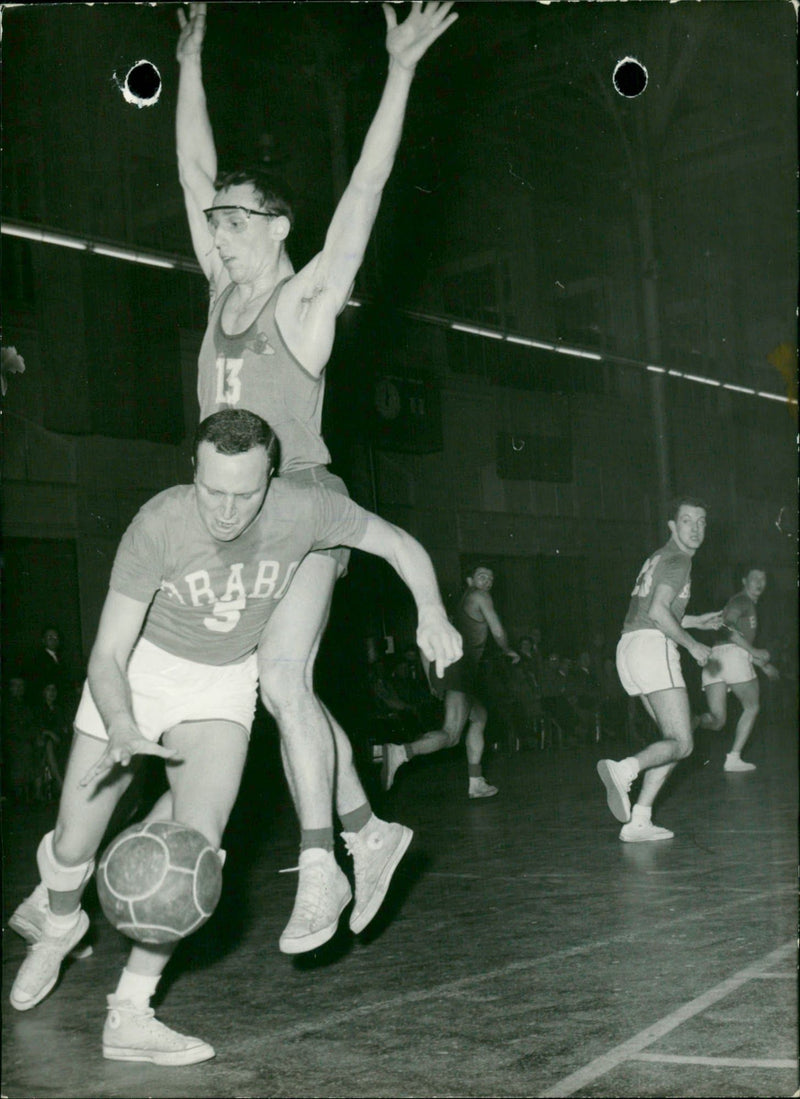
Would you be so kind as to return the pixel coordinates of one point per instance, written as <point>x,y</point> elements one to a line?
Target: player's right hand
<point>760,657</point>
<point>439,640</point>
<point>124,742</point>
<point>193,29</point>
<point>700,653</point>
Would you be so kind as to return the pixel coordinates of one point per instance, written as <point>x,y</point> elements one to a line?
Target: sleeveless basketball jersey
<point>473,631</point>
<point>255,370</point>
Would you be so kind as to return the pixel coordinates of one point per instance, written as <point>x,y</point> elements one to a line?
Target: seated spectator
<point>19,742</point>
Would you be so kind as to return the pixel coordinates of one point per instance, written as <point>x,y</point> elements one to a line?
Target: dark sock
<point>316,837</point>
<point>357,819</point>
<point>474,770</point>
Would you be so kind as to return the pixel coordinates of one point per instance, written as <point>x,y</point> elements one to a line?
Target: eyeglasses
<point>234,218</point>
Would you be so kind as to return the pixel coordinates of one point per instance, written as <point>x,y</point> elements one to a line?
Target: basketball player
<point>173,673</point>
<point>460,686</point>
<point>269,338</point>
<point>734,663</point>
<point>649,667</point>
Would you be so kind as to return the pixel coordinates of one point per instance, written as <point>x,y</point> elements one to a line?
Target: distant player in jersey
<point>460,686</point>
<point>269,338</point>
<point>649,667</point>
<point>734,665</point>
<point>173,673</point>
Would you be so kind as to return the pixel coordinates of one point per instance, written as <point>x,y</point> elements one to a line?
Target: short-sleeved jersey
<point>255,370</point>
<point>212,599</point>
<point>740,612</point>
<point>474,631</point>
<point>669,565</point>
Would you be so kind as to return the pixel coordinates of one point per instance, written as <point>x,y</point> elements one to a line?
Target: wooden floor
<point>522,951</point>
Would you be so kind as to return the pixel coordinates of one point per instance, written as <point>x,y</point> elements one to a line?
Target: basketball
<point>158,881</point>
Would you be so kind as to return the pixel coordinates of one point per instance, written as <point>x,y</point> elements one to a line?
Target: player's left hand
<point>408,41</point>
<point>513,657</point>
<point>712,620</point>
<point>438,639</point>
<point>770,671</point>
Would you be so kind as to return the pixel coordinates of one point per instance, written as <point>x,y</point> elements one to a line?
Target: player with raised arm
<point>269,337</point>
<point>173,672</point>
<point>732,668</point>
<point>648,664</point>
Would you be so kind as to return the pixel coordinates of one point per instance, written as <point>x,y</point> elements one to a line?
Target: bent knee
<point>715,722</point>
<point>685,747</point>
<point>281,683</point>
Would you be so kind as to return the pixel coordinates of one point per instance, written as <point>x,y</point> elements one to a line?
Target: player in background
<point>732,667</point>
<point>270,334</point>
<point>648,663</point>
<point>461,687</point>
<point>173,673</point>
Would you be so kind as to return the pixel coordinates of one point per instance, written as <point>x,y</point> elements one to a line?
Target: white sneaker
<point>643,831</point>
<point>376,850</point>
<point>394,756</point>
<point>736,763</point>
<point>39,972</point>
<point>618,781</point>
<point>29,916</point>
<point>480,788</point>
<point>323,893</point>
<point>132,1033</point>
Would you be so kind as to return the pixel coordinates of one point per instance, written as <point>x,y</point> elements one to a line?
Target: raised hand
<point>124,743</point>
<point>408,41</point>
<point>193,30</point>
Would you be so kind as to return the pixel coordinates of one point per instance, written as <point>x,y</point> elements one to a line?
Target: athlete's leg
<point>670,710</point>
<point>474,740</point>
<point>717,702</point>
<point>204,781</point>
<point>315,749</point>
<point>749,696</point>
<point>66,862</point>
<point>457,707</point>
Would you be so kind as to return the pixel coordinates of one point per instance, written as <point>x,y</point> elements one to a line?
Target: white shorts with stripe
<point>648,661</point>
<point>735,666</point>
<point>167,690</point>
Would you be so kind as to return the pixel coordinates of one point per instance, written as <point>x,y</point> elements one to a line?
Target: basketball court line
<point>630,1050</point>
<point>459,985</point>
<point>716,1062</point>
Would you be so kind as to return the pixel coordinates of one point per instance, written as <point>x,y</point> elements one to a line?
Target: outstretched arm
<point>120,625</point>
<point>496,628</point>
<point>318,293</point>
<point>197,155</point>
<point>438,639</point>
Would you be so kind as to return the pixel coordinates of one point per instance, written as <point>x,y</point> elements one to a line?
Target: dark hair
<point>273,192</point>
<point>686,501</point>
<point>235,431</point>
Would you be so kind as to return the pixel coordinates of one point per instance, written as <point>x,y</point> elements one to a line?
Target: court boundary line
<point>718,1062</point>
<point>461,984</point>
<point>627,1051</point>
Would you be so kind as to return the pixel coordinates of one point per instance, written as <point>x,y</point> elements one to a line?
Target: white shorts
<point>735,666</point>
<point>167,690</point>
<point>647,662</point>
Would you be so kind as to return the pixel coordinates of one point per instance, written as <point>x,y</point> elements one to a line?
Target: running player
<point>649,666</point>
<point>734,663</point>
<point>269,338</point>
<point>173,673</point>
<point>460,686</point>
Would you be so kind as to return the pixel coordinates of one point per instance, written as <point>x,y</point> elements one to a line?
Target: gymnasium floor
<point>523,950</point>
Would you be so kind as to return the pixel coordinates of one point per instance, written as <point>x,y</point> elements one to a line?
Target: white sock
<point>56,926</point>
<point>641,813</point>
<point>137,987</point>
<point>633,763</point>
<point>734,755</point>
